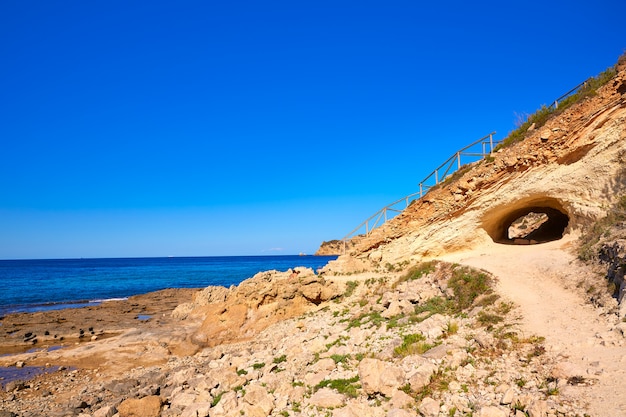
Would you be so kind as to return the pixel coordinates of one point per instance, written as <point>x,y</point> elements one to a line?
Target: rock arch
<point>550,225</point>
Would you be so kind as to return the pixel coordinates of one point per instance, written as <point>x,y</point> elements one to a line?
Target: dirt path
<point>541,279</point>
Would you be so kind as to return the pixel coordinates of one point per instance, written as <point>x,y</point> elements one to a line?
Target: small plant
<point>258,365</point>
<point>518,406</point>
<point>347,387</point>
<point>413,344</point>
<point>284,413</point>
<point>417,272</point>
<point>296,407</point>
<point>406,388</point>
<point>340,358</point>
<point>520,382</point>
<point>452,327</point>
<point>489,319</point>
<point>216,399</point>
<point>280,359</point>
<point>350,287</point>
<point>241,372</point>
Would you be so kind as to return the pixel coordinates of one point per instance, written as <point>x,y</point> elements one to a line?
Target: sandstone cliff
<point>571,169</point>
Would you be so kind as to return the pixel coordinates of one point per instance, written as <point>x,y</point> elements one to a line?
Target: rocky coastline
<point>386,344</point>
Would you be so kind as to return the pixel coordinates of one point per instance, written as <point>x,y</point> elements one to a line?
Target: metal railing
<point>555,104</point>
<point>476,151</point>
<point>448,168</point>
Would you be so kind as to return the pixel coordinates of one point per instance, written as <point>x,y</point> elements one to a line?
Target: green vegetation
<point>216,399</point>
<point>350,287</point>
<point>590,238</point>
<point>280,359</point>
<point>541,116</point>
<point>241,372</point>
<point>417,272</point>
<point>413,344</point>
<point>347,387</point>
<point>341,358</point>
<point>373,317</point>
<point>258,365</point>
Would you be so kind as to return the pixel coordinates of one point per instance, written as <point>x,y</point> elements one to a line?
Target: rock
<point>491,411</point>
<point>227,403</point>
<point>507,397</point>
<point>197,410</point>
<point>326,397</point>
<point>420,377</point>
<point>538,409</point>
<point>14,386</point>
<point>106,411</point>
<point>258,396</point>
<point>429,407</point>
<point>564,370</point>
<point>378,376</point>
<point>400,399</point>
<point>398,412</point>
<point>144,407</point>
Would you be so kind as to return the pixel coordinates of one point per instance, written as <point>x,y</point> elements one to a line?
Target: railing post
<point>421,191</point>
<point>490,143</point>
<point>436,177</point>
<point>458,160</point>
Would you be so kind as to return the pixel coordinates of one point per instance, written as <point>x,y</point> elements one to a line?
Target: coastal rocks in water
<point>241,312</point>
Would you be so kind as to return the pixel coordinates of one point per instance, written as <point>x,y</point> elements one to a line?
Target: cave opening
<point>527,222</point>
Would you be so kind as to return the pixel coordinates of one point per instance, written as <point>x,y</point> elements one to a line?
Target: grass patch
<point>467,284</point>
<point>592,235</point>
<point>413,344</point>
<point>489,319</point>
<point>417,272</point>
<point>544,113</point>
<point>341,358</point>
<point>374,318</point>
<point>350,287</point>
<point>280,359</point>
<point>258,365</point>
<point>348,387</point>
<point>216,399</point>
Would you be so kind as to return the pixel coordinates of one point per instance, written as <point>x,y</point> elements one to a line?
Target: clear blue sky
<point>192,128</point>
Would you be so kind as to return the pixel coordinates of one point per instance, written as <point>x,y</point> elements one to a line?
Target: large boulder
<point>241,312</point>
<point>380,377</point>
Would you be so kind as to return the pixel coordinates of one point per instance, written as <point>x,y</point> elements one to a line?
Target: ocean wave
<point>104,300</point>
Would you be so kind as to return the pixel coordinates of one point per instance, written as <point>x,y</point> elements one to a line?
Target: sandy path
<point>540,279</point>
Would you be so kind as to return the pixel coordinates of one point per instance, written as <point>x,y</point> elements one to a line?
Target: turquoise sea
<point>36,285</point>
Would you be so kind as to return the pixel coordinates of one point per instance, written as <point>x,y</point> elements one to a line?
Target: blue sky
<point>193,128</point>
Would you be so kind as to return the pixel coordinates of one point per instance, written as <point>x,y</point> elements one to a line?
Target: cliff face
<point>570,170</point>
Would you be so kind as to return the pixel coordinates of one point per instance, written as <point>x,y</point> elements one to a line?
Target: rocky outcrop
<point>568,169</point>
<point>241,312</point>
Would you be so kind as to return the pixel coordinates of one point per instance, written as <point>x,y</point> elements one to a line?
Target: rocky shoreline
<point>386,344</point>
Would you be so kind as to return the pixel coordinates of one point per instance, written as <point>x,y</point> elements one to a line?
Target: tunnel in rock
<point>530,221</point>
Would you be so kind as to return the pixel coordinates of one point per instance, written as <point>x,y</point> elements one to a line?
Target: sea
<point>39,285</point>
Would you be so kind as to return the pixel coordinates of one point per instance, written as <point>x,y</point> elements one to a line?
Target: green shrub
<point>280,359</point>
<point>412,344</point>
<point>350,287</point>
<point>348,387</point>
